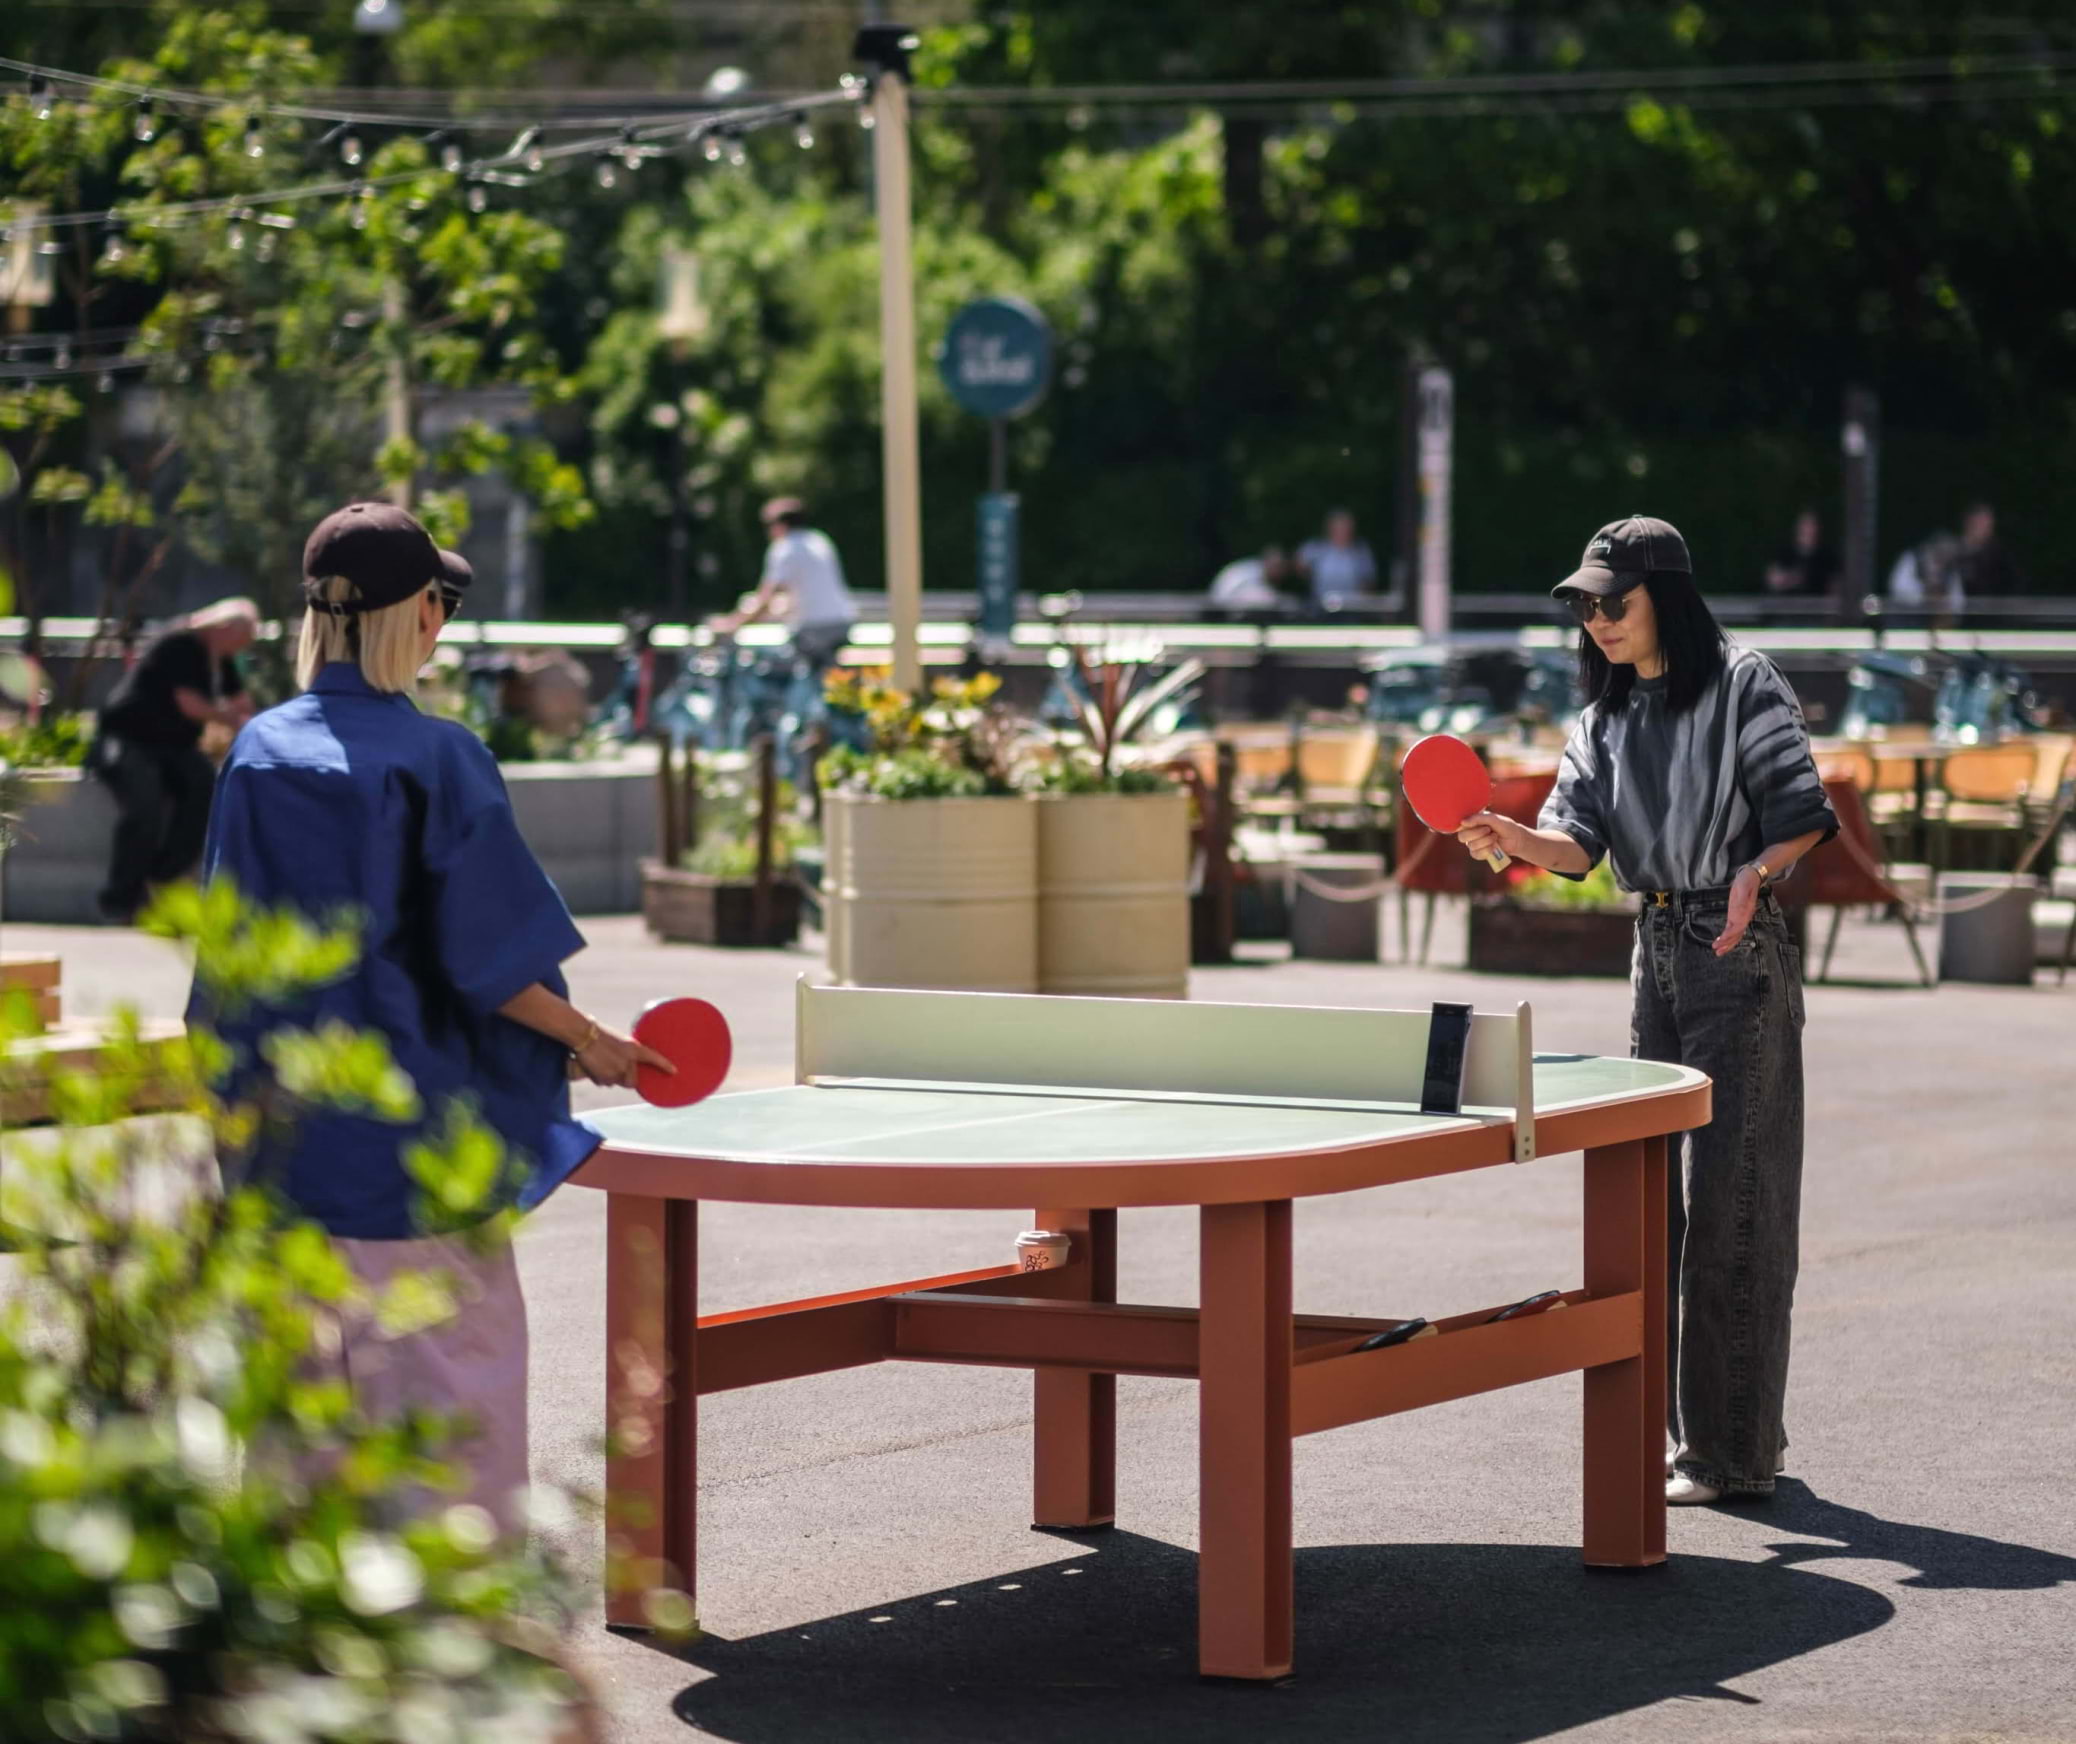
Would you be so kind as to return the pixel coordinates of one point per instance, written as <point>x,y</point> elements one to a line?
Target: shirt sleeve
<point>498,923</point>
<point>1774,764</point>
<point>1577,804</point>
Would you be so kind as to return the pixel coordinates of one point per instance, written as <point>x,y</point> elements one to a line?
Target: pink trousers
<point>473,1363</point>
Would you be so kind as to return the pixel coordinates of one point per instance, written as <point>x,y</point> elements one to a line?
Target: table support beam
<point>1074,1426</point>
<point>1625,1400</point>
<point>652,1304</point>
<point>1244,1571</point>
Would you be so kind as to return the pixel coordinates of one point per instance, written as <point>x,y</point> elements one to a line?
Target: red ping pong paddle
<point>1446,782</point>
<point>693,1036</point>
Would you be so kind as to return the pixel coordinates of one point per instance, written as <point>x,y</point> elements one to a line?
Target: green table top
<point>868,1121</point>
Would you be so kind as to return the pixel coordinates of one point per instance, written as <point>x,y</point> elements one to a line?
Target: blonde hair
<point>225,611</point>
<point>383,643</point>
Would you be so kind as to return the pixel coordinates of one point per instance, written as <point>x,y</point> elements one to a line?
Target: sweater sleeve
<point>1577,804</point>
<point>1774,763</point>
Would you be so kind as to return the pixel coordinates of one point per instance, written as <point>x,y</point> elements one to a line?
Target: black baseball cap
<point>378,547</point>
<point>1622,553</point>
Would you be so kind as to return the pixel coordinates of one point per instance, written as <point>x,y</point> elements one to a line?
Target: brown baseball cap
<point>1621,554</point>
<point>378,547</point>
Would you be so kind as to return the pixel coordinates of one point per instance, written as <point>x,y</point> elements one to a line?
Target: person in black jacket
<point>148,748</point>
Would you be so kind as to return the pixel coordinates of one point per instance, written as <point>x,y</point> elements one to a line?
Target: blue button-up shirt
<point>349,798</point>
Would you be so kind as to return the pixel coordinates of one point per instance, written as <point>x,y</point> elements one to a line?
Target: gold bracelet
<point>590,1037</point>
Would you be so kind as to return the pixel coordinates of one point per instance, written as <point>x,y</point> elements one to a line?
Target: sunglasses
<point>450,603</point>
<point>1614,607</point>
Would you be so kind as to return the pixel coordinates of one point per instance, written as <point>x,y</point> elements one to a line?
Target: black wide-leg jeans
<point>1734,1205</point>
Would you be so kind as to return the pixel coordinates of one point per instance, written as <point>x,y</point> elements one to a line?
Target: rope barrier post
<point>767,808</point>
<point>668,844</point>
<point>1212,924</point>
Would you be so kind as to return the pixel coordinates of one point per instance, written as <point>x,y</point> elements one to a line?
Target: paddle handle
<point>1497,859</point>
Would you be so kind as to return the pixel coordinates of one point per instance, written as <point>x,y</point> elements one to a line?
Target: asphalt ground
<point>868,1573</point>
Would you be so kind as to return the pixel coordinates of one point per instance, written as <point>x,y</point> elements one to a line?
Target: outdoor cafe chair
<point>1983,790</point>
<point>1847,871</point>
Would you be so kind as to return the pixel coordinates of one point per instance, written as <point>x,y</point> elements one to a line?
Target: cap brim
<point>1590,578</point>
<point>455,571</point>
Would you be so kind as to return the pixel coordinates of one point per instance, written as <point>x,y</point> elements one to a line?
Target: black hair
<point>1689,638</point>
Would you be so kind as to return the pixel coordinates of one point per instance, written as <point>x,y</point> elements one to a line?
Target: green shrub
<point>56,742</point>
<point>169,1570</point>
<point>1597,889</point>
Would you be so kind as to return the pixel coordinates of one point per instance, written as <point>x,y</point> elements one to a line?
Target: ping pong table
<point>1075,1109</point>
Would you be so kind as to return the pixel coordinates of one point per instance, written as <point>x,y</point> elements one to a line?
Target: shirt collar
<point>345,678</point>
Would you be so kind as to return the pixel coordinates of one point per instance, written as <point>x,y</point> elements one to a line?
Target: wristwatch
<point>1759,866</point>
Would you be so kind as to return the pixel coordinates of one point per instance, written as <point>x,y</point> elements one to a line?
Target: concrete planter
<point>694,909</point>
<point>935,893</point>
<point>590,824</point>
<point>60,858</point>
<point>1506,939</point>
<point>1113,894</point>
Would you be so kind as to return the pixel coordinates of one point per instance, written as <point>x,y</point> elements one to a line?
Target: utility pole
<point>886,48</point>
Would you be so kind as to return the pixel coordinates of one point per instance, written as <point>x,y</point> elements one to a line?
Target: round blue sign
<point>997,357</point>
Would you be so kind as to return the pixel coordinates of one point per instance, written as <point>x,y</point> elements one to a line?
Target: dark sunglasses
<point>1614,607</point>
<point>450,603</point>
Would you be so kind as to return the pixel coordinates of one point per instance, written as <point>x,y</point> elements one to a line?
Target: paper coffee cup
<point>1041,1250</point>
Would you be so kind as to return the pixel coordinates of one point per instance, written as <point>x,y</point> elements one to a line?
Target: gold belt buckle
<point>1661,899</point>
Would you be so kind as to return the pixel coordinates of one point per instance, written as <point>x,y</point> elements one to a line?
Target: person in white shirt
<point>1339,566</point>
<point>802,587</point>
<point>1248,584</point>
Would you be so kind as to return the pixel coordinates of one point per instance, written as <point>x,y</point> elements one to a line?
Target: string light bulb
<point>710,147</point>
<point>451,156</point>
<point>738,153</point>
<point>479,197</point>
<point>605,172</point>
<point>105,382</point>
<point>362,200</point>
<point>40,99</point>
<point>144,125</point>
<point>866,118</point>
<point>351,151</point>
<point>113,251</point>
<point>255,139</point>
<point>803,133</point>
<point>237,232</point>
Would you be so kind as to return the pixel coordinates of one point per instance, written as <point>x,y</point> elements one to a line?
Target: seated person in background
<point>1808,566</point>
<point>1250,584</point>
<point>1927,577</point>
<point>1338,565</point>
<point>1985,567</point>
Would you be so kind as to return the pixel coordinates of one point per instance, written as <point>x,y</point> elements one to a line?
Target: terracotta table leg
<point>1244,1606</point>
<point>652,1412</point>
<point>1074,1438</point>
<point>1625,1401</point>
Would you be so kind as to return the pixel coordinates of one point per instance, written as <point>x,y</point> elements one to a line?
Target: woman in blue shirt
<point>348,799</point>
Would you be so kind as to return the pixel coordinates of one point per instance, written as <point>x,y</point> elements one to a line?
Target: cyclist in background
<point>802,587</point>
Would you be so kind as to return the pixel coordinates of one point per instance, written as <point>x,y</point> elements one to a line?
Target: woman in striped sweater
<point>1690,771</point>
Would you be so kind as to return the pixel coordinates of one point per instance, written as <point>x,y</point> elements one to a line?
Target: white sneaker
<point>1681,1491</point>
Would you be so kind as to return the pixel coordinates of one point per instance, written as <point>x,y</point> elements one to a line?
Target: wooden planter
<point>932,893</point>
<point>1506,939</point>
<point>1113,894</point>
<point>692,908</point>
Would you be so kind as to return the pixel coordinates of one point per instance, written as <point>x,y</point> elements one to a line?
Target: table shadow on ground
<point>1463,1642</point>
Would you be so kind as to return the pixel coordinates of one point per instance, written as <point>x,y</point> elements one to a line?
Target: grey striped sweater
<point>1680,802</point>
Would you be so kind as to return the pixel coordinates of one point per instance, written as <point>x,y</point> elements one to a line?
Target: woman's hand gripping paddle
<point>693,1036</point>
<point>1446,783</point>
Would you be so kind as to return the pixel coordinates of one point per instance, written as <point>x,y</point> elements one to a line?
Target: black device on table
<point>1448,1044</point>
